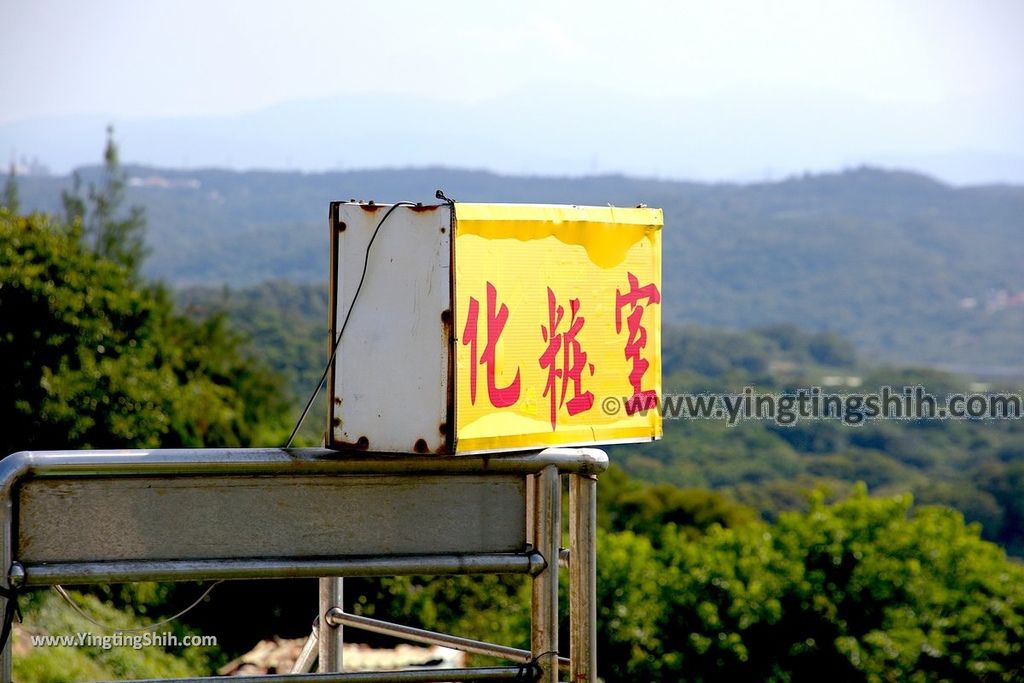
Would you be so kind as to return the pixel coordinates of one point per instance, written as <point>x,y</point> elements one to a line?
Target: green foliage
<point>92,359</point>
<point>72,202</point>
<point>49,615</point>
<point>286,323</point>
<point>286,326</point>
<point>111,234</point>
<point>862,590</point>
<point>966,464</point>
<point>491,608</point>
<point>11,200</point>
<point>645,509</point>
<point>692,586</point>
<point>769,467</point>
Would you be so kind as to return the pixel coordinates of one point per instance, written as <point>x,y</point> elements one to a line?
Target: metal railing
<point>63,520</point>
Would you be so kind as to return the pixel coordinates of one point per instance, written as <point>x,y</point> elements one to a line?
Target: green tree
<point>628,505</point>
<point>91,358</point>
<point>11,202</point>
<point>72,201</point>
<point>865,590</point>
<point>112,232</point>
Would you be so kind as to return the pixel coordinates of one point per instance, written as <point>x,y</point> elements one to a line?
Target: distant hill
<point>757,133</point>
<point>909,269</point>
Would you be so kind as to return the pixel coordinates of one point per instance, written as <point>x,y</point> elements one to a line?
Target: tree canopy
<point>866,589</point>
<point>91,358</point>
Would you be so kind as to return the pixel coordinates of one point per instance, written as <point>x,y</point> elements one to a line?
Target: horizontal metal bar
<point>513,654</point>
<point>192,570</point>
<point>208,461</point>
<point>525,672</point>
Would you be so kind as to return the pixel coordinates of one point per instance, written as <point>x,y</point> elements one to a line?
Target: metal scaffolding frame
<point>58,508</point>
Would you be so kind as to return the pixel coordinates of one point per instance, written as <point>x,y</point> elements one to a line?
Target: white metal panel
<point>391,373</point>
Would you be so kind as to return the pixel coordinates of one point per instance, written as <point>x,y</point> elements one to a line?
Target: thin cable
<point>11,611</point>
<point>334,347</point>
<point>528,671</point>
<point>64,594</point>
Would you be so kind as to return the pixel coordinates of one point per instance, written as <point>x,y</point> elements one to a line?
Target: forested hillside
<point>908,269</point>
<point>977,467</point>
<point>751,552</point>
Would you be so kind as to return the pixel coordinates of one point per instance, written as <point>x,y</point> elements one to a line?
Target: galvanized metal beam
<point>544,598</point>
<point>331,646</point>
<point>419,635</point>
<point>310,649</point>
<point>195,570</point>
<point>277,461</point>
<point>541,469</point>
<point>492,673</point>
<point>583,578</point>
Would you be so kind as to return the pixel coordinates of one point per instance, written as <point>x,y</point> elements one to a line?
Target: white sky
<point>187,57</point>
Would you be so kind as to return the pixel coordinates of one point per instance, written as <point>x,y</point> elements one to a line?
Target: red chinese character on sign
<point>574,359</point>
<point>636,339</point>
<point>499,397</point>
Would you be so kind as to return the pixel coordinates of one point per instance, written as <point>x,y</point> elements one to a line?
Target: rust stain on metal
<point>361,444</point>
<point>447,427</point>
<point>333,217</point>
<point>425,207</point>
<point>369,206</point>
<point>421,446</point>
<point>448,329</point>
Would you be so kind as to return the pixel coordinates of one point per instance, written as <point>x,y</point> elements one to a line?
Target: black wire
<point>334,347</point>
<point>12,610</point>
<point>531,670</point>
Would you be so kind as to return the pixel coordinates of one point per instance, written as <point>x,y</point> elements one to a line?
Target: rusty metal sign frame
<point>529,484</point>
<point>408,281</point>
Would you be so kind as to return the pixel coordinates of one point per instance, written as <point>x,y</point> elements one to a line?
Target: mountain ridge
<point>909,268</point>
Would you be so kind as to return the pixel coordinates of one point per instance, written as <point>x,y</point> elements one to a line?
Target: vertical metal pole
<point>544,603</point>
<point>332,639</point>
<point>583,577</point>
<point>6,551</point>
<point>531,510</point>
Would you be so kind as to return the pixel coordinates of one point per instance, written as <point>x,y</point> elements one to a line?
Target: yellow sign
<point>558,325</point>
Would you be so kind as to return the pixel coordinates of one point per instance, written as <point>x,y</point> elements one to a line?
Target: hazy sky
<point>964,60</point>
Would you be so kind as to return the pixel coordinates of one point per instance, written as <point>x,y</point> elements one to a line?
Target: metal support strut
<point>544,601</point>
<point>330,637</point>
<point>583,577</point>
<point>516,529</point>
